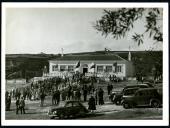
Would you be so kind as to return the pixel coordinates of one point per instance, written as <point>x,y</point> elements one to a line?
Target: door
<point>85,70</point>
<point>140,98</point>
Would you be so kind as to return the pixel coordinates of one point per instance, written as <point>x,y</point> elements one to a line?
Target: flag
<point>78,64</point>
<point>115,64</point>
<point>45,69</point>
<point>92,65</point>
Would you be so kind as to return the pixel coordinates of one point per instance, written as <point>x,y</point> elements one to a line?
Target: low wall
<point>16,81</point>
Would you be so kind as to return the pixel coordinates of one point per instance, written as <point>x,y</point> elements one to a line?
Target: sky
<point>48,30</point>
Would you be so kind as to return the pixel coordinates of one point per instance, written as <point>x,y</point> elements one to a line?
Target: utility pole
<point>62,52</point>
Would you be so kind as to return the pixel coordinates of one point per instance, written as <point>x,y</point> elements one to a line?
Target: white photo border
<point>163,122</point>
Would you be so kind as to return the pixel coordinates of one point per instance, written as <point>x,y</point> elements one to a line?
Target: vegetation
<point>119,22</point>
<point>26,65</point>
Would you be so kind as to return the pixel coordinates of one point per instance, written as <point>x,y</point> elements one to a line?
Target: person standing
<point>42,97</point>
<point>85,94</point>
<point>58,97</point>
<point>17,105</point>
<point>78,95</point>
<point>108,89</point>
<point>91,103</point>
<point>6,99</point>
<point>69,93</point>
<point>96,95</point>
<point>54,97</point>
<point>22,105</point>
<point>8,102</point>
<point>100,94</point>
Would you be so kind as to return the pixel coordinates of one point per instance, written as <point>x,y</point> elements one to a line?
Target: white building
<point>105,64</point>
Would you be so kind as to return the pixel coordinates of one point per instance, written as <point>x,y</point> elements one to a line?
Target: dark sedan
<point>70,109</point>
<point>116,97</point>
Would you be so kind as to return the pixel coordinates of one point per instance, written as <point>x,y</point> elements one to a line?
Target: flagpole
<point>94,70</point>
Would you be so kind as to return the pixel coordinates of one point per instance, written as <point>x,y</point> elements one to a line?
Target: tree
<point>119,22</point>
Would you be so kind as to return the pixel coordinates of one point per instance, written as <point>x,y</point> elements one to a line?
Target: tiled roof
<point>90,57</point>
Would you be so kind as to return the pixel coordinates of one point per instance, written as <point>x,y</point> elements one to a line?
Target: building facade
<point>101,65</point>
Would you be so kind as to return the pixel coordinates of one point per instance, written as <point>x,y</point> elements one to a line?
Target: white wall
<point>103,63</point>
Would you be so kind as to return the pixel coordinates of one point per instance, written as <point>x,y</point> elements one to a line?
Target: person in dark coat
<point>100,94</point>
<point>17,105</point>
<point>54,97</point>
<point>85,94</point>
<point>108,89</point>
<point>42,97</point>
<point>22,105</point>
<point>78,95</point>
<point>96,95</point>
<point>92,104</point>
<point>69,93</point>
<point>63,95</point>
<point>8,102</point>
<point>58,96</point>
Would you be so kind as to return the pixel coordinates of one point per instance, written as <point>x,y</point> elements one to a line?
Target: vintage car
<point>143,97</point>
<point>116,97</point>
<point>70,109</point>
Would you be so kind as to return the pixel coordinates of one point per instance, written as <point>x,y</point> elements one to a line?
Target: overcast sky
<point>48,30</point>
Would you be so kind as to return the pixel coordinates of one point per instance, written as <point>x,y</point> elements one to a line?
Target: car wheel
<point>82,113</point>
<point>126,105</point>
<point>117,102</point>
<point>155,104</point>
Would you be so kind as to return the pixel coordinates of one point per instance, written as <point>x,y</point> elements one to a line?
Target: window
<point>119,69</point>
<point>141,93</point>
<point>99,68</point>
<point>62,68</point>
<point>55,68</point>
<point>70,68</point>
<point>108,68</point>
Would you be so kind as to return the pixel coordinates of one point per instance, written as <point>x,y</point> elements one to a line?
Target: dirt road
<point>108,111</point>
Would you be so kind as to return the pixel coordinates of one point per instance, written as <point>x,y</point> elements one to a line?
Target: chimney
<point>129,55</point>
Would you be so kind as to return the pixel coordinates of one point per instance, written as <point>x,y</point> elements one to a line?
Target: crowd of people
<point>77,87</point>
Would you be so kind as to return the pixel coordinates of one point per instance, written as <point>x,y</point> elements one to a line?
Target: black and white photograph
<point>85,64</point>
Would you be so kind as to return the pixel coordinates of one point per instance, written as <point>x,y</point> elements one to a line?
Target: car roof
<point>72,101</point>
<point>131,88</point>
<point>145,89</point>
<point>143,84</point>
<point>137,84</point>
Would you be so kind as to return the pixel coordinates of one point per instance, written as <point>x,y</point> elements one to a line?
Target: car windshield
<point>68,104</point>
<point>129,91</point>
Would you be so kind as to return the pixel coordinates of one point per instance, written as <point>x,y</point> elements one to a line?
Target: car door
<point>140,98</point>
<point>76,108</point>
<point>68,109</point>
<point>148,97</point>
